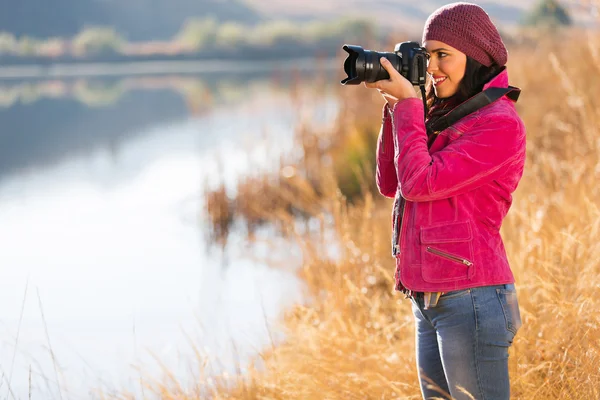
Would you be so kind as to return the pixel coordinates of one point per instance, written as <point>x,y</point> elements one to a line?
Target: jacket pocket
<point>447,252</point>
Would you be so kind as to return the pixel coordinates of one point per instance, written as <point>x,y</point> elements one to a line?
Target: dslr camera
<point>408,58</point>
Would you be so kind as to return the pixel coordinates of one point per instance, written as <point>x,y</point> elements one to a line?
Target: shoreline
<point>157,67</point>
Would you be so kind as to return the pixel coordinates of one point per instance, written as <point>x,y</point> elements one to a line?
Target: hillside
<point>137,20</point>
<point>143,20</point>
<point>406,15</point>
<point>403,15</point>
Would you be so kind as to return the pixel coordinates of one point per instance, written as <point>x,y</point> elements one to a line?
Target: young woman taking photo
<point>453,189</point>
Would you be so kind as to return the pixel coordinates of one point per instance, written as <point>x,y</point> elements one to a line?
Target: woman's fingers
<point>387,65</point>
<point>385,83</point>
<point>379,85</point>
<point>395,88</point>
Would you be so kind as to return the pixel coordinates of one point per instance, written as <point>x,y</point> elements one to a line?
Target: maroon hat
<point>468,28</point>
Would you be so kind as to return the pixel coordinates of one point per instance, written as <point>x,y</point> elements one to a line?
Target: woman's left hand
<point>396,88</point>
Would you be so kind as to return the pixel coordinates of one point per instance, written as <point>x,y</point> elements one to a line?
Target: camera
<point>408,58</point>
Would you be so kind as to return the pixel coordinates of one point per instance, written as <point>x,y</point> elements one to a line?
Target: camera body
<point>408,58</point>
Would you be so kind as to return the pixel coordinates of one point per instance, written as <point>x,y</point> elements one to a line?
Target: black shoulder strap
<point>476,102</point>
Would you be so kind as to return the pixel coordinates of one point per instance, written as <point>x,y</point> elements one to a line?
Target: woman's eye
<point>441,54</point>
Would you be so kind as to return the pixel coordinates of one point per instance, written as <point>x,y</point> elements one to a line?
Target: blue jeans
<point>462,343</point>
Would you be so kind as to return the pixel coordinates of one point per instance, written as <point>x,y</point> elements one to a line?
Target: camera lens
<point>363,65</point>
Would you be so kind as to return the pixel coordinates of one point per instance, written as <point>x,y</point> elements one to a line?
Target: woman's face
<point>446,67</point>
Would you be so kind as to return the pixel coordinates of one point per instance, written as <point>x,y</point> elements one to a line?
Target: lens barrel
<point>363,65</point>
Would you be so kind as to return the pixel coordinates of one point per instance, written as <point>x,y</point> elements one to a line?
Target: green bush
<point>548,13</point>
<point>98,40</point>
<point>198,33</point>
<point>231,34</point>
<point>8,43</point>
<point>27,46</point>
<point>203,35</point>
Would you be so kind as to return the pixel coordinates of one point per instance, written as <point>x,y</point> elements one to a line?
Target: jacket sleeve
<point>477,157</point>
<point>386,178</point>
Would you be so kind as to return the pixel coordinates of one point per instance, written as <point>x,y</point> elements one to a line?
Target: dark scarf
<point>442,107</point>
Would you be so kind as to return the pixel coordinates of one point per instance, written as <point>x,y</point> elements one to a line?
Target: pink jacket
<point>456,194</point>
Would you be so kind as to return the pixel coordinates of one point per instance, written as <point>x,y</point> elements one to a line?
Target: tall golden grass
<point>354,338</point>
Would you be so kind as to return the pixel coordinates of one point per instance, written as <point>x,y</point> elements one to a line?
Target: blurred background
<point>116,120</point>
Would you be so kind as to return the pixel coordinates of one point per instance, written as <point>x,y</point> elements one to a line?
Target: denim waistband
<point>419,295</point>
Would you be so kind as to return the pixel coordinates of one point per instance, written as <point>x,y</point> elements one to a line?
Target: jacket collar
<point>500,80</point>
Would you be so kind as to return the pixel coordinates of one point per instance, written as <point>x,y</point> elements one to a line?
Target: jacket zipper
<point>449,256</point>
<point>401,216</point>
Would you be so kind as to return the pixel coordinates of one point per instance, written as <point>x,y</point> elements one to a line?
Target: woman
<point>453,189</point>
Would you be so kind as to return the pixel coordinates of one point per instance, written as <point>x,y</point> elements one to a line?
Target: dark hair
<point>476,76</point>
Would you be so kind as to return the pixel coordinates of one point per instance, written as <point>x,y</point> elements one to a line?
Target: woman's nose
<point>431,65</point>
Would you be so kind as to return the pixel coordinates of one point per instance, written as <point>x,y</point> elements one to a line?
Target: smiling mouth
<point>439,81</point>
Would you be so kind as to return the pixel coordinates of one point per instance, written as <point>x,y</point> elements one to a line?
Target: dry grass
<point>354,339</point>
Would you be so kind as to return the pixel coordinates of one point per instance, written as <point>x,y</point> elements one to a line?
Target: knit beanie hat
<point>468,28</point>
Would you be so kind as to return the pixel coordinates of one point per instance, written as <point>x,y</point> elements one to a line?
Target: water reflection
<point>45,120</point>
<point>103,255</point>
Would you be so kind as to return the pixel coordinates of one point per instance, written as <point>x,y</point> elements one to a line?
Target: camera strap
<point>476,102</point>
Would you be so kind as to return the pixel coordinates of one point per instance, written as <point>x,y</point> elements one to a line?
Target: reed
<point>354,338</point>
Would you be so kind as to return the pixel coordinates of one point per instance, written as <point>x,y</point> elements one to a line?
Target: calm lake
<point>107,271</point>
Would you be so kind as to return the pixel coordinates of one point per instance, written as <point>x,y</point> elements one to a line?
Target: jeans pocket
<point>510,307</point>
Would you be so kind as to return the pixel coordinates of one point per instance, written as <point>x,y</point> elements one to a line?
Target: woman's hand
<point>395,89</point>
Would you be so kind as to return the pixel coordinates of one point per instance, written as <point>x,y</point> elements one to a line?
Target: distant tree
<point>276,33</point>
<point>96,40</point>
<point>52,47</point>
<point>8,43</point>
<point>345,30</point>
<point>231,34</point>
<point>27,46</point>
<point>198,33</point>
<point>548,13</point>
